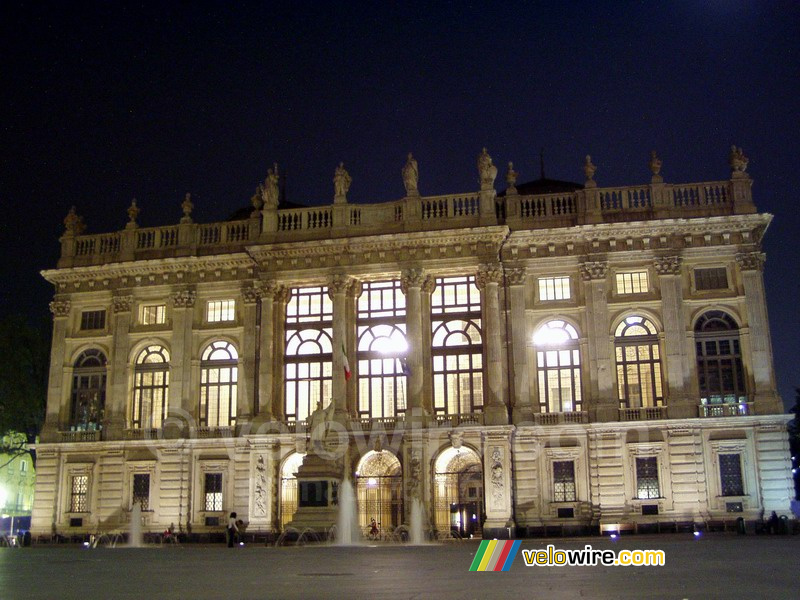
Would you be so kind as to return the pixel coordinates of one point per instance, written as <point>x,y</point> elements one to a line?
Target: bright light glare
<point>697,534</point>
<point>372,482</point>
<point>390,345</point>
<point>613,536</point>
<point>547,336</point>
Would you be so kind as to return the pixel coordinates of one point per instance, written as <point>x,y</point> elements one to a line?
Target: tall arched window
<point>308,358</point>
<point>88,391</point>
<point>719,359</point>
<point>150,388</point>
<point>382,348</point>
<point>219,376</point>
<point>457,346</point>
<point>558,363</point>
<point>638,363</point>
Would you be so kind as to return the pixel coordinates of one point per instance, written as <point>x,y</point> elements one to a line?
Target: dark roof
<point>545,186</point>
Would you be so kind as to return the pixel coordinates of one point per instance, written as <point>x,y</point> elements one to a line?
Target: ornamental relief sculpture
<point>183,298</point>
<point>497,477</point>
<point>338,284</point>
<point>489,273</point>
<point>412,278</point>
<point>593,270</point>
<point>250,294</point>
<point>516,275</point>
<point>260,488</point>
<point>415,474</point>
<point>121,304</point>
<point>60,307</point>
<point>751,261</point>
<point>667,265</point>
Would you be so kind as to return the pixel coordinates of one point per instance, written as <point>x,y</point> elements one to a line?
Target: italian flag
<point>346,364</point>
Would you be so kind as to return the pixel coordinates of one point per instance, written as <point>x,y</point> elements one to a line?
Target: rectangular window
<point>23,466</point>
<point>141,490</point>
<point>213,492</point>
<point>564,481</point>
<point>218,311</point>
<point>730,474</point>
<point>647,478</point>
<point>554,288</point>
<point>632,283</point>
<point>711,279</point>
<point>153,314</point>
<point>93,319</point>
<point>78,494</point>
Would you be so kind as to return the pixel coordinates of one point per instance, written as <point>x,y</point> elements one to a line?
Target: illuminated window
<point>152,314</point>
<point>78,494</point>
<point>218,311</point>
<point>558,362</point>
<point>218,382</point>
<point>88,391</point>
<point>150,388</point>
<point>632,283</point>
<point>141,490</point>
<point>730,473</point>
<point>213,492</point>
<point>564,481</point>
<point>554,288</point>
<point>719,360</point>
<point>638,363</point>
<point>711,279</point>
<point>647,478</point>
<point>93,319</point>
<point>457,346</point>
<point>308,356</point>
<point>382,349</point>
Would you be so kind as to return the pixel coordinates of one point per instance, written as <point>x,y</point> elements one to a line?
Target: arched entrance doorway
<point>458,492</point>
<point>289,487</point>
<point>379,489</point>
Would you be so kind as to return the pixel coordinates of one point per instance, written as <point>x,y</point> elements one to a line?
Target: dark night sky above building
<point>103,102</point>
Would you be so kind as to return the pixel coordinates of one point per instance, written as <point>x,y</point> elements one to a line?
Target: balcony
<point>561,418</point>
<point>644,413</point>
<point>739,409</point>
<point>467,419</point>
<point>80,436</point>
<point>143,434</point>
<point>213,432</point>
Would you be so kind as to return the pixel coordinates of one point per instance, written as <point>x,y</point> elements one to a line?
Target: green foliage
<point>23,375</point>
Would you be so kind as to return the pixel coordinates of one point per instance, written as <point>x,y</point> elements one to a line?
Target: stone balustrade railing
<point>590,205</point>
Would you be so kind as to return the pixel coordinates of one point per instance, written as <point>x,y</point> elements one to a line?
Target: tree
<point>23,382</point>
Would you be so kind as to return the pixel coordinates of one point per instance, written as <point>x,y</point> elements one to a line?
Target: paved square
<point>715,566</point>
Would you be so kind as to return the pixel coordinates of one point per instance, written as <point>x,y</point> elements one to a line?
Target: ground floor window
<point>564,481</point>
<point>213,492</point>
<point>79,494</point>
<point>730,473</point>
<point>647,478</point>
<point>141,490</point>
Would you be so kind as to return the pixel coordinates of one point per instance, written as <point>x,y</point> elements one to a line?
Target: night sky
<point>103,102</point>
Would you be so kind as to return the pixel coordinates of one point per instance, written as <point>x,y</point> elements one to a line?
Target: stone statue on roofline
<point>589,169</point>
<point>738,161</point>
<point>270,188</point>
<point>341,183</point>
<point>655,167</point>
<point>73,223</point>
<point>511,178</point>
<point>411,176</point>
<point>487,172</point>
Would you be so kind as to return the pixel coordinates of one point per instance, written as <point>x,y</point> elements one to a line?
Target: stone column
<point>523,408</point>
<point>497,484</point>
<point>181,399</point>
<point>427,344</point>
<point>351,344</point>
<point>488,281</point>
<point>57,413</point>
<point>266,351</point>
<point>116,397</point>
<point>248,400</point>
<point>751,265</point>
<point>603,403</point>
<point>412,281</point>
<point>279,301</point>
<point>675,361</point>
<point>338,286</point>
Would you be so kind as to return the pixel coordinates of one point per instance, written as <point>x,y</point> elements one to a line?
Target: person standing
<point>232,529</point>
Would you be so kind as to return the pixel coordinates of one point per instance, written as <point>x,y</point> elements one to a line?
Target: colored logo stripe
<point>495,556</point>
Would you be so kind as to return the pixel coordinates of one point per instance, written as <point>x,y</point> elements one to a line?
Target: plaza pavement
<point>721,566</point>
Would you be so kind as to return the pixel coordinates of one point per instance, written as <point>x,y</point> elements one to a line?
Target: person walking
<point>232,529</point>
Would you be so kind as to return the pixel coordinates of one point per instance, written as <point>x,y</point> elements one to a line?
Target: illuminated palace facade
<point>555,354</point>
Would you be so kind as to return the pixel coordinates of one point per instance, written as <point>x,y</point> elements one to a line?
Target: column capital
<point>268,289</point>
<point>667,265</point>
<point>250,294</point>
<point>489,273</point>
<point>122,303</point>
<point>60,307</point>
<point>413,277</point>
<point>429,284</point>
<point>516,275</point>
<point>751,261</point>
<point>338,284</point>
<point>184,298</point>
<point>594,269</point>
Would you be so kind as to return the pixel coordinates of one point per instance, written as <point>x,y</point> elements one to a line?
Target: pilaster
<point>248,405</point>
<point>522,410</point>
<point>488,281</point>
<point>116,399</point>
<point>181,396</point>
<point>338,286</point>
<point>267,291</point>
<point>60,307</point>
<point>497,484</point>
<point>411,283</point>
<point>604,404</point>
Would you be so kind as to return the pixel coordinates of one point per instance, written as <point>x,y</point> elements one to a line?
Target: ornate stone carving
<point>250,294</point>
<point>73,223</point>
<point>269,289</point>
<point>121,304</point>
<point>260,490</point>
<point>497,476</point>
<point>183,298</point>
<point>490,273</point>
<point>487,172</point>
<point>751,261</point>
<point>429,284</point>
<point>457,439</point>
<point>60,307</point>
<point>589,169</point>
<point>410,173</point>
<point>516,275</point>
<point>338,284</point>
<point>341,183</point>
<point>667,265</point>
<point>412,278</point>
<point>133,212</point>
<point>187,207</point>
<point>270,190</point>
<point>414,474</point>
<point>594,269</point>
<point>511,179</point>
<point>737,160</point>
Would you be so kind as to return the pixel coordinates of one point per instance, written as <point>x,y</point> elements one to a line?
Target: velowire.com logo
<point>494,555</point>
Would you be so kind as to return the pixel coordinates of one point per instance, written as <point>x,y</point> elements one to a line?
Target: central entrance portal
<point>379,489</point>
<point>458,492</point>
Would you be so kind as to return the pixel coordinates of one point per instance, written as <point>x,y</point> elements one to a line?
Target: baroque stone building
<point>556,354</point>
